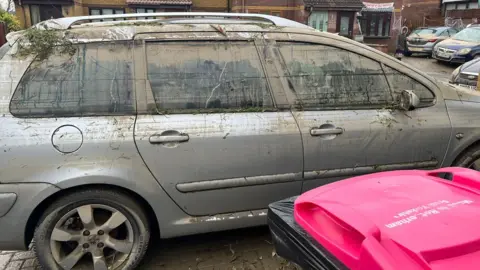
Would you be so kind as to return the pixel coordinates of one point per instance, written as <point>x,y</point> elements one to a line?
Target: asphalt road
<point>441,71</point>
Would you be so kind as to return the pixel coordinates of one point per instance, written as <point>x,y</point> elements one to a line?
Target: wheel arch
<point>462,152</point>
<point>40,208</point>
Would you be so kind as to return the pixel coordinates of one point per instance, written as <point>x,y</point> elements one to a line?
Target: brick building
<point>30,12</point>
<point>334,16</point>
<point>382,20</point>
<point>290,9</point>
<point>461,12</point>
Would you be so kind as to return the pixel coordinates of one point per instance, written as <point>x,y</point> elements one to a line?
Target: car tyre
<point>469,159</point>
<point>61,236</point>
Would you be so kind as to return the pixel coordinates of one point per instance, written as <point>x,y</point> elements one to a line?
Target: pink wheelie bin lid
<point>397,220</point>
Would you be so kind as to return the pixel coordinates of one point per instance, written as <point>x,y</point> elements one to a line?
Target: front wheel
<point>92,229</point>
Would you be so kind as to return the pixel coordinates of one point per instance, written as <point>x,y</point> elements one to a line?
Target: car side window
<point>96,80</point>
<point>189,77</point>
<point>329,77</point>
<point>399,82</point>
<point>445,33</point>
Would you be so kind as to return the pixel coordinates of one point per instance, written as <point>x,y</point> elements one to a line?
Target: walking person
<point>401,43</point>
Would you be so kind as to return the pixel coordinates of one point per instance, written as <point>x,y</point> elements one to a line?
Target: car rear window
<point>4,49</point>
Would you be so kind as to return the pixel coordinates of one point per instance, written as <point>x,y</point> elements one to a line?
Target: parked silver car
<point>422,40</point>
<point>196,122</point>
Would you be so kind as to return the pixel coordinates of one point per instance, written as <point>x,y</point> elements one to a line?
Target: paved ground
<point>431,66</point>
<point>242,249</point>
<point>233,250</point>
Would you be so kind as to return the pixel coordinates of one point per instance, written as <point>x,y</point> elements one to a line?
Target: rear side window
<point>188,77</point>
<point>96,80</point>
<point>329,77</point>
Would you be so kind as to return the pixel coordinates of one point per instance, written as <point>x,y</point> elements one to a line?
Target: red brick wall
<point>332,21</point>
<point>3,33</point>
<point>417,12</point>
<point>467,16</point>
<point>290,9</point>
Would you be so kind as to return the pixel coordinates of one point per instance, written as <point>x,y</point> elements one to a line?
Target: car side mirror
<point>407,100</point>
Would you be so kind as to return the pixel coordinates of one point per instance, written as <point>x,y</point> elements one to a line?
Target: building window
<point>473,5</point>
<point>375,24</point>
<point>40,13</point>
<point>106,11</point>
<point>451,6</point>
<point>462,6</point>
<point>319,20</point>
<point>145,10</point>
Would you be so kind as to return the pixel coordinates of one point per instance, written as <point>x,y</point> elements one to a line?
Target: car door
<point>213,136</point>
<point>343,107</point>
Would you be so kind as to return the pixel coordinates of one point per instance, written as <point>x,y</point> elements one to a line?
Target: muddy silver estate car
<point>195,122</point>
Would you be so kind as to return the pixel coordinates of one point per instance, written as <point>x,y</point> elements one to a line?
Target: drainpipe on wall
<point>24,14</point>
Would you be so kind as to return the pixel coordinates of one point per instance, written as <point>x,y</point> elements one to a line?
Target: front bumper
<point>17,212</point>
<point>460,59</point>
<point>427,48</point>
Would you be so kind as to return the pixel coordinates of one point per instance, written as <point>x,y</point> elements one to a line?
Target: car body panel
<point>372,138</point>
<point>108,152</point>
<point>13,224</point>
<point>226,155</point>
<point>462,105</point>
<point>465,128</point>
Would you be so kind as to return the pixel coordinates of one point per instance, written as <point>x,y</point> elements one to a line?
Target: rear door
<point>213,135</point>
<point>344,97</point>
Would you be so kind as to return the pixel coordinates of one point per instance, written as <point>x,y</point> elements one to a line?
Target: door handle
<point>169,138</point>
<point>326,131</point>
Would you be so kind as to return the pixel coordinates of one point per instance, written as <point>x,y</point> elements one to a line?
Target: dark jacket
<point>402,42</point>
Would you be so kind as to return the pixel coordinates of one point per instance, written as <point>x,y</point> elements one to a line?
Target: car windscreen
<point>4,49</point>
<point>468,34</point>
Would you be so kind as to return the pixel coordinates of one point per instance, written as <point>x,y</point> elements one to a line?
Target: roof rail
<point>68,22</point>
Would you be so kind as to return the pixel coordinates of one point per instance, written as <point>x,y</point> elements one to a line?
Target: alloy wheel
<point>92,236</point>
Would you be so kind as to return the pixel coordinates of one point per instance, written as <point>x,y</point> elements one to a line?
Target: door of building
<point>345,24</point>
